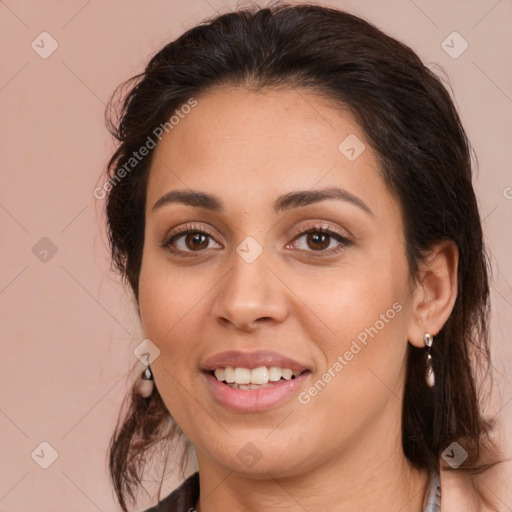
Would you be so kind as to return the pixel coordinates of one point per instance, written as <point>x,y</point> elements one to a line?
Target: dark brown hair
<point>407,116</point>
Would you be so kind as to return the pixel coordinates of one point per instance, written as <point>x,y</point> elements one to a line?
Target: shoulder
<point>182,499</point>
<point>488,491</point>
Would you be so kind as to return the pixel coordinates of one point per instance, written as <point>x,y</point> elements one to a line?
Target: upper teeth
<point>260,375</point>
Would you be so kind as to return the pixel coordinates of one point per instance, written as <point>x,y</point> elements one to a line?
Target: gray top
<point>432,501</point>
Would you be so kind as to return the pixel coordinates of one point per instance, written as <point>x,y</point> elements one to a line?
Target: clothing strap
<point>432,501</point>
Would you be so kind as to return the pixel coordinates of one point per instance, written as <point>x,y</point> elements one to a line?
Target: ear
<point>435,292</point>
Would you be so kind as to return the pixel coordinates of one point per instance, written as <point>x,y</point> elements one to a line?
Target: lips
<point>254,398</point>
<point>250,360</point>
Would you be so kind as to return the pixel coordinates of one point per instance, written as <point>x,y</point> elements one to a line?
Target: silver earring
<point>147,383</point>
<point>429,373</point>
<point>147,374</point>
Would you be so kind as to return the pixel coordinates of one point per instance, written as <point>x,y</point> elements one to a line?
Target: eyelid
<point>183,230</point>
<point>322,226</point>
<point>316,227</point>
<point>189,227</point>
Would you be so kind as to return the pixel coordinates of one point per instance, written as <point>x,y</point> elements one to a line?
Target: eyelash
<point>317,229</point>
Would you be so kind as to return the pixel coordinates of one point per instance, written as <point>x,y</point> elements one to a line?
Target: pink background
<point>68,328</point>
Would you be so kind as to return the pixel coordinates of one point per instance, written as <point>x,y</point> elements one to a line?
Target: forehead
<point>242,118</point>
<point>247,146</point>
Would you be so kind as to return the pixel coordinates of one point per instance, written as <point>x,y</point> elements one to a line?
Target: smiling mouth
<point>255,378</point>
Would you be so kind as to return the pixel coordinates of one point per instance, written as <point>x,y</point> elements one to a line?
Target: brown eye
<point>196,241</point>
<point>318,241</point>
<point>189,240</point>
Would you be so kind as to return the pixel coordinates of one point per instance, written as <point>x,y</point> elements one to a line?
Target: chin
<point>258,458</point>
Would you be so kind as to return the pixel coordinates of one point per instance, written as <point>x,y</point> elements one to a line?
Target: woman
<point>291,204</point>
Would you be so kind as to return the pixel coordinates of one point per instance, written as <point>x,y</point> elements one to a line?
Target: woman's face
<point>244,289</point>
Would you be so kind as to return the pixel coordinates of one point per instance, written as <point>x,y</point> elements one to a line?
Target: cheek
<point>168,297</point>
<point>363,373</point>
<point>348,302</point>
<point>370,346</point>
<point>169,311</point>
<point>367,316</point>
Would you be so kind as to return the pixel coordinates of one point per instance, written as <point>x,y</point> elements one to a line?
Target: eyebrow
<point>284,202</point>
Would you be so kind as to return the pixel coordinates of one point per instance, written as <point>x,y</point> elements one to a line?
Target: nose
<point>250,295</point>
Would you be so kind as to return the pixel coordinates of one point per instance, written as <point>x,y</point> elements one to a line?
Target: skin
<point>342,450</point>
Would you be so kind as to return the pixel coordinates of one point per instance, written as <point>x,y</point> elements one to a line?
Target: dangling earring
<point>147,384</point>
<point>429,373</point>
